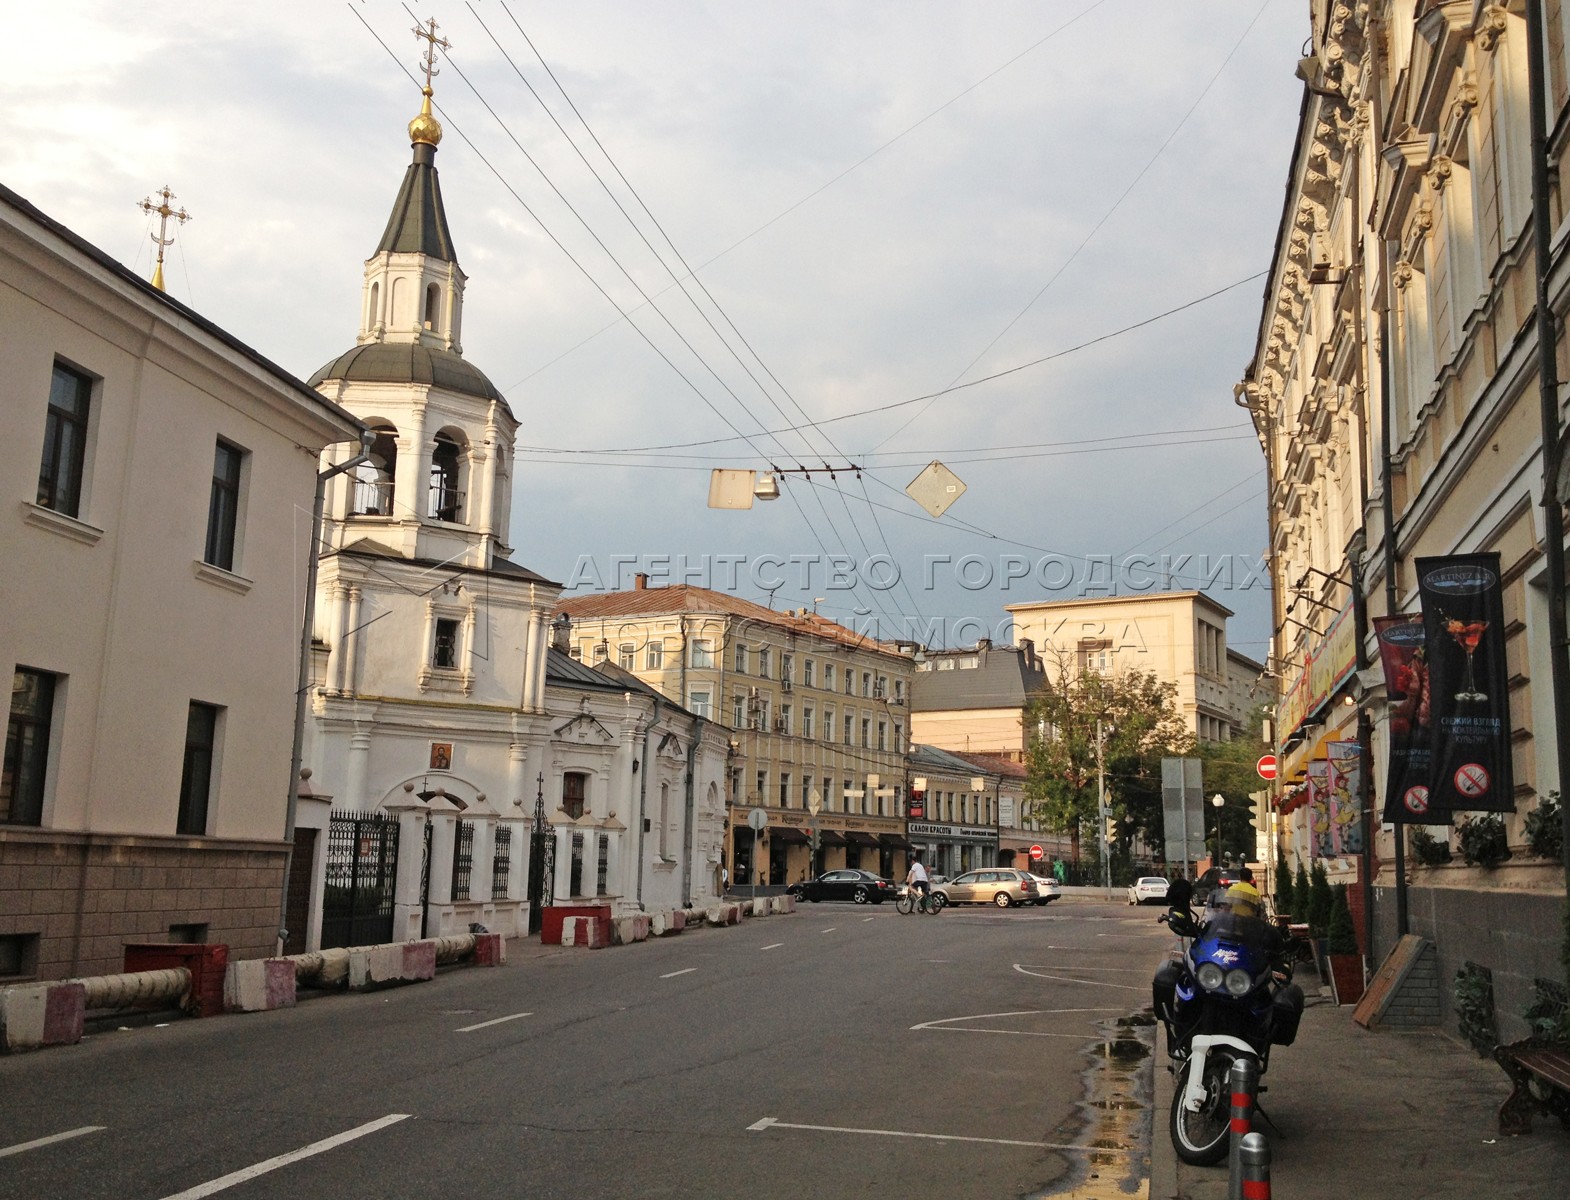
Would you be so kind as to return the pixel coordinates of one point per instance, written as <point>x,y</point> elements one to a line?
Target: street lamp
<point>1219,801</point>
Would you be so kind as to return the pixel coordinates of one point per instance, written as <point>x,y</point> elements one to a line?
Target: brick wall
<point>86,895</point>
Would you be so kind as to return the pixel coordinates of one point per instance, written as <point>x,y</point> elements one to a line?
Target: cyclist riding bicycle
<point>916,878</point>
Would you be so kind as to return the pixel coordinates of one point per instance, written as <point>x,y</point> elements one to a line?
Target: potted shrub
<point>1544,832</point>
<point>1283,894</point>
<point>1346,964</point>
<point>1427,849</point>
<point>1320,901</point>
<point>1482,841</point>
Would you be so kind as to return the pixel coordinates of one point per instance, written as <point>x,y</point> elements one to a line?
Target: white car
<point>1047,890</point>
<point>1148,889</point>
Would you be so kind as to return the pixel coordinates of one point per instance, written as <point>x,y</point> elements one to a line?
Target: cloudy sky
<point>1065,204</point>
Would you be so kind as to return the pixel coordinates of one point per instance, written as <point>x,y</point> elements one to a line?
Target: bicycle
<point>910,900</point>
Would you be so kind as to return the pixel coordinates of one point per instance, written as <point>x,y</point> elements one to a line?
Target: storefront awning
<point>787,834</point>
<point>894,841</point>
<point>856,838</point>
<point>830,837</point>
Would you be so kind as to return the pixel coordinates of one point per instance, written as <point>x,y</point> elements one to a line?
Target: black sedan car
<point>860,887</point>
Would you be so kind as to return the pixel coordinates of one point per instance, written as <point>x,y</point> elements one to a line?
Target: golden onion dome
<point>425,128</point>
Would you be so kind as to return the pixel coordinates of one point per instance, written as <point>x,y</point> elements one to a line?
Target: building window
<point>602,867</point>
<point>828,722</point>
<point>806,790</point>
<point>501,861</point>
<point>883,735</point>
<point>574,792</point>
<point>828,677</point>
<point>602,652</point>
<point>787,669</point>
<point>806,722</point>
<point>654,656</point>
<point>626,656</point>
<point>373,480</point>
<point>223,506</point>
<point>866,733</point>
<point>899,691</point>
<point>850,729</point>
<point>196,778</point>
<point>444,650</point>
<point>850,682</point>
<point>432,305</point>
<point>575,867</point>
<point>761,796</point>
<point>699,704</point>
<point>763,662</point>
<point>785,718</point>
<point>462,859</point>
<point>738,711</point>
<point>446,498</point>
<point>807,666</point>
<point>27,747</point>
<point>18,955</point>
<point>65,441</point>
<point>741,658</point>
<point>899,738</point>
<point>784,789</point>
<point>866,685</point>
<point>703,655</point>
<point>1095,655</point>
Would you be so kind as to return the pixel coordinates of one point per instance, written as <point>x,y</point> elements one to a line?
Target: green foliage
<point>1549,1015</point>
<point>1140,725</point>
<point>1283,888</point>
<point>1427,849</point>
<point>1545,831</point>
<point>1340,937</point>
<point>1474,1001</point>
<point>1301,895</point>
<point>1320,900</point>
<point>1482,841</point>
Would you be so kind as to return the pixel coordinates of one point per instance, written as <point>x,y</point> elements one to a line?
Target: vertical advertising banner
<point>1346,800</point>
<point>1319,808</point>
<point>1403,654</point>
<point>1469,734</point>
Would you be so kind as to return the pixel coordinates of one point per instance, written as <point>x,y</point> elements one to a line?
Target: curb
<point>1163,1159</point>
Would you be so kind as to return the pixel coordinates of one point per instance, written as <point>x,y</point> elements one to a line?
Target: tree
<point>1301,894</point>
<point>1139,725</point>
<point>1340,936</point>
<point>1231,770</point>
<point>1283,889</point>
<point>1320,900</point>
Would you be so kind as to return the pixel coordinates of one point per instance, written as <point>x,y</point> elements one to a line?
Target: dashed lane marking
<point>223,1183</point>
<point>772,946</point>
<point>1069,979</point>
<point>683,971</point>
<point>487,1024</point>
<point>23,1147</point>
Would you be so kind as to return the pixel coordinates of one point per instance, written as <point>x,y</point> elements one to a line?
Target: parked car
<point>1003,886</point>
<point>859,887</point>
<point>1047,890</point>
<point>1149,889</point>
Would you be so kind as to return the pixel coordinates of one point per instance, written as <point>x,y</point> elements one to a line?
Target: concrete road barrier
<point>259,985</point>
<point>33,1015</point>
<point>384,966</point>
<point>626,930</point>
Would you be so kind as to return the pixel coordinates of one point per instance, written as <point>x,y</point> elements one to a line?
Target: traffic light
<point>1113,829</point>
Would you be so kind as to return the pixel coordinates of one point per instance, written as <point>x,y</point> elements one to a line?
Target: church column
<point>531,690</point>
<point>350,679</point>
<point>542,635</point>
<point>358,769</point>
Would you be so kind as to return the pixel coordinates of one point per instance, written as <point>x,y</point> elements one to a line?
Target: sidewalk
<point>1388,1115</point>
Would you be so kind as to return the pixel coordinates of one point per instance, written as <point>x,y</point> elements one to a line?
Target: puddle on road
<point>1114,1121</point>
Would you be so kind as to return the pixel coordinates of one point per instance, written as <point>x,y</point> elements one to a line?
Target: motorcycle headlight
<point>1238,982</point>
<point>1210,977</point>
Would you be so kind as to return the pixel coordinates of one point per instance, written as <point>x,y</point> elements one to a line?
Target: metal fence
<point>462,859</point>
<point>362,869</point>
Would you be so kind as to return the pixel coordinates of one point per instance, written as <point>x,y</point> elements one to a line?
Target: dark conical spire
<point>418,224</point>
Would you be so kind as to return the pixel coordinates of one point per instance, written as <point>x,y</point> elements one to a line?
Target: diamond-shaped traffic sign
<point>935,488</point>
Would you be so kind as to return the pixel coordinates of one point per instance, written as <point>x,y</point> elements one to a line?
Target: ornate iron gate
<point>542,862</point>
<point>362,870</point>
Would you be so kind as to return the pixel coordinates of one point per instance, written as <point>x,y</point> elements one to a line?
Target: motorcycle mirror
<point>1179,892</point>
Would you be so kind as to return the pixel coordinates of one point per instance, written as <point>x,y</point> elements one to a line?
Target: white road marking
<point>951,1024</point>
<point>683,971</point>
<point>830,929</point>
<point>1092,982</point>
<point>1067,967</point>
<point>767,1123</point>
<point>23,1147</point>
<point>864,919</point>
<point>772,946</point>
<point>272,1164</point>
<point>486,1024</point>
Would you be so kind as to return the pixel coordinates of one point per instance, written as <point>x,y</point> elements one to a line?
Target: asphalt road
<point>842,1051</point>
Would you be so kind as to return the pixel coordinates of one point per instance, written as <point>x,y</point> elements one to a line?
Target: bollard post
<point>1243,1082</point>
<point>1256,1167</point>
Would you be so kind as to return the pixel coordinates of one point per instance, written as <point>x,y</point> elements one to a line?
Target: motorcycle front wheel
<point>1201,1138</point>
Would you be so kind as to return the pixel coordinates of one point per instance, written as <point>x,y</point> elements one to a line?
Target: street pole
<point>1101,810</point>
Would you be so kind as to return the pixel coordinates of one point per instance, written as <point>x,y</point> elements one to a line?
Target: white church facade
<point>441,724</point>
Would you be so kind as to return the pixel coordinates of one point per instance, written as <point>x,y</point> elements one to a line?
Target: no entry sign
<point>1036,852</point>
<point>1266,766</point>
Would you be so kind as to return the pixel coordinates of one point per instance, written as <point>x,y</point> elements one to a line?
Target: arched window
<point>665,819</point>
<point>574,792</point>
<point>373,315</point>
<point>433,300</point>
<point>446,497</point>
<point>373,480</point>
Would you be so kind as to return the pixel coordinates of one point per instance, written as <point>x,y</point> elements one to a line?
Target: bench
<point>1540,1072</point>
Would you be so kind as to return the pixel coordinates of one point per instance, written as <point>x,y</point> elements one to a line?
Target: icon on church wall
<point>441,756</point>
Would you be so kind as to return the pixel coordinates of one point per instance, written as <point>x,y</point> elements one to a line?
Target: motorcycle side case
<point>1286,1009</point>
<point>1163,989</point>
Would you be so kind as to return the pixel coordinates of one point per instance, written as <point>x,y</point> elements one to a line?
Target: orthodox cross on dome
<point>164,214</point>
<point>427,34</point>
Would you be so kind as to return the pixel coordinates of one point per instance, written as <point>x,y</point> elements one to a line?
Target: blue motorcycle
<point>1228,994</point>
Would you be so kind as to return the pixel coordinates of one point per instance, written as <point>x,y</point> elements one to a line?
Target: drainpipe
<point>303,676</point>
<point>1548,397</point>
